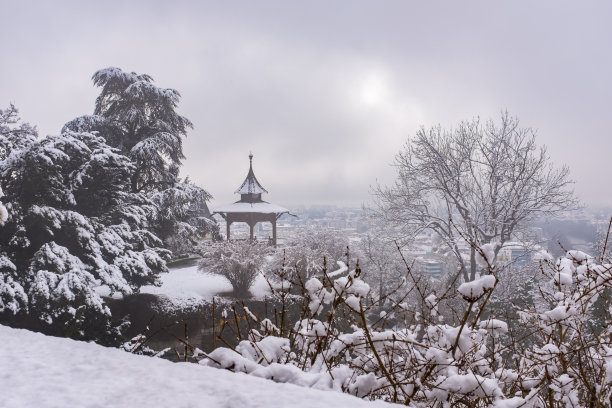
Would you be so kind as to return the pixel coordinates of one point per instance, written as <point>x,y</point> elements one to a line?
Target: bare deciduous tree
<point>480,182</point>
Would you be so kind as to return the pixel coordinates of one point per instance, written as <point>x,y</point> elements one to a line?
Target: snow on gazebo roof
<point>250,184</point>
<point>261,207</point>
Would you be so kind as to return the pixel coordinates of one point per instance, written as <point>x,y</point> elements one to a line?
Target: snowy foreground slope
<point>43,371</point>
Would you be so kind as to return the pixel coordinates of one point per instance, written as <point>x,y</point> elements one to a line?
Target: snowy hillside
<point>43,371</point>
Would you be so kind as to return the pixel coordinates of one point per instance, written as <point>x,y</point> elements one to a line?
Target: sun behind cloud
<point>374,89</point>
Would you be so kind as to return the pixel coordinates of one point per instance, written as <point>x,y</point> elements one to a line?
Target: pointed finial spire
<point>250,184</point>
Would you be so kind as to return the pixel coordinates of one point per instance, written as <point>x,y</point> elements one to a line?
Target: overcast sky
<point>325,93</point>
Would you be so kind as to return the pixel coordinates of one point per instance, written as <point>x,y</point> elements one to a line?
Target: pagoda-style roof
<point>250,199</point>
<point>250,184</point>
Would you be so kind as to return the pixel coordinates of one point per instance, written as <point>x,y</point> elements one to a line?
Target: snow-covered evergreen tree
<point>182,217</point>
<point>140,120</point>
<point>12,296</point>
<point>14,134</point>
<point>74,224</point>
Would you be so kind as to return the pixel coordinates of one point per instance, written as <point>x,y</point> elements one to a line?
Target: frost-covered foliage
<point>603,244</point>
<point>138,345</point>
<point>12,296</point>
<point>305,254</point>
<point>339,343</point>
<point>140,120</point>
<point>14,134</point>
<point>380,257</point>
<point>74,224</point>
<point>182,218</point>
<point>239,261</point>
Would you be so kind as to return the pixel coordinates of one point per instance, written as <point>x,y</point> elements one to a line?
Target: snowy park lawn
<point>43,371</point>
<point>186,286</point>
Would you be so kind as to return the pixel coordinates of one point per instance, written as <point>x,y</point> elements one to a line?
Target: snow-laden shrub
<point>304,255</point>
<point>138,345</point>
<point>239,261</point>
<point>476,361</point>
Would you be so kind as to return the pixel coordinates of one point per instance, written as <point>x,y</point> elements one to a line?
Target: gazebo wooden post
<point>252,228</point>
<point>228,224</point>
<point>274,231</point>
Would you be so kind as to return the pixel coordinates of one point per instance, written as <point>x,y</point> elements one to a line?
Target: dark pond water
<point>148,314</point>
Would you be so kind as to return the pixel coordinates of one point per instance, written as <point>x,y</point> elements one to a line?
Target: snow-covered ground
<point>187,286</point>
<point>43,371</point>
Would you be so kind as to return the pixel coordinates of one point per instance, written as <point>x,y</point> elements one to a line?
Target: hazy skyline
<point>325,94</point>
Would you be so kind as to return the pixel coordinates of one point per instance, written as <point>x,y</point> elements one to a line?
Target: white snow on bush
<point>351,285</point>
<point>488,250</point>
<point>432,302</point>
<point>57,372</point>
<point>476,288</point>
<point>496,327</point>
<point>268,350</point>
<point>3,213</point>
<point>565,271</point>
<point>542,255</point>
<point>470,384</point>
<point>578,256</point>
<point>342,268</point>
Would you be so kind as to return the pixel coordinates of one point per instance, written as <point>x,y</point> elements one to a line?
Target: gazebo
<point>251,208</point>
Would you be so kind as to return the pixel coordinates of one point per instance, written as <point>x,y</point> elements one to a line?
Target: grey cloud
<point>325,94</point>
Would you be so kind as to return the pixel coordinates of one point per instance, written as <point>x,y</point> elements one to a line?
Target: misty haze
<point>283,204</point>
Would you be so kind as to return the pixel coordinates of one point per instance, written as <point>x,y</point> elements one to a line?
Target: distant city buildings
<point>429,255</point>
<point>350,221</point>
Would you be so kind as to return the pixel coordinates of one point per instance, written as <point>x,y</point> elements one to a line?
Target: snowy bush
<point>304,255</point>
<point>476,361</point>
<point>138,345</point>
<point>239,261</point>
